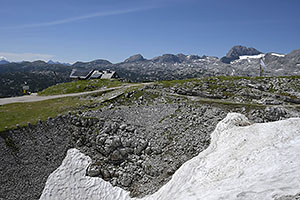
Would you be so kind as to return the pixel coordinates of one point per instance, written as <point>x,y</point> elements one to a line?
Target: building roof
<point>93,74</point>
<point>108,74</point>
<point>96,74</point>
<point>81,74</point>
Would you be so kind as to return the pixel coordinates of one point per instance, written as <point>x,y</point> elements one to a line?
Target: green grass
<point>177,82</point>
<point>21,113</point>
<point>80,86</point>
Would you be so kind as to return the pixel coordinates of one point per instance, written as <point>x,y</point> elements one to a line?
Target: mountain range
<point>239,61</point>
<point>56,62</point>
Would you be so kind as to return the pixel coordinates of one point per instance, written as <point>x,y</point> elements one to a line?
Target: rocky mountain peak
<point>181,57</point>
<point>166,58</point>
<point>235,52</point>
<point>52,62</point>
<point>295,54</point>
<point>239,50</point>
<point>135,58</point>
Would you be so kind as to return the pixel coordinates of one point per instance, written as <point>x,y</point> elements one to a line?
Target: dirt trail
<point>34,97</point>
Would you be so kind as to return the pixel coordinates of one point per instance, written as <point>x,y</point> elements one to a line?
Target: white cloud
<point>73,19</point>
<point>16,57</point>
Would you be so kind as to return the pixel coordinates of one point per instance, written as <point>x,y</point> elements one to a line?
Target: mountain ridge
<point>165,67</point>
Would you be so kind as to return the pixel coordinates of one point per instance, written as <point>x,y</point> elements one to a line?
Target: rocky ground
<point>139,138</point>
<point>28,155</point>
<point>290,197</point>
<point>260,90</point>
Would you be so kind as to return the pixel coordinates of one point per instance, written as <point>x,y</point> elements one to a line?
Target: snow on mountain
<point>235,52</point>
<point>3,60</point>
<point>277,54</point>
<point>243,161</point>
<point>252,56</point>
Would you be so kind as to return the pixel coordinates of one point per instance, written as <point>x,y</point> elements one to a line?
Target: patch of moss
<point>10,143</point>
<point>8,140</point>
<point>287,95</point>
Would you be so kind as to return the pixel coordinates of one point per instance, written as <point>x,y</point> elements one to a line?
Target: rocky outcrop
<point>239,50</point>
<point>139,148</point>
<point>265,91</point>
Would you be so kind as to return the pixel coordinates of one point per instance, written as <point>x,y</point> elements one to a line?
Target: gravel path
<point>34,97</point>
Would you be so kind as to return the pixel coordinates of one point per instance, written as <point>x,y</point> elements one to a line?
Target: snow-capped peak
<point>2,58</point>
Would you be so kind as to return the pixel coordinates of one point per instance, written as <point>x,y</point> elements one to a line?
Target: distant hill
<point>38,74</point>
<point>3,61</point>
<point>135,58</point>
<point>56,62</point>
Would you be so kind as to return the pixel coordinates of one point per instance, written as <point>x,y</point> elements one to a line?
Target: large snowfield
<point>243,161</point>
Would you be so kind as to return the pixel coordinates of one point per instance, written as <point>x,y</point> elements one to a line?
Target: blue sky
<point>72,30</point>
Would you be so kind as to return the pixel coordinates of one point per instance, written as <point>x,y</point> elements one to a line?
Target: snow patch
<point>69,182</point>
<point>251,57</point>
<point>278,55</point>
<point>243,161</point>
